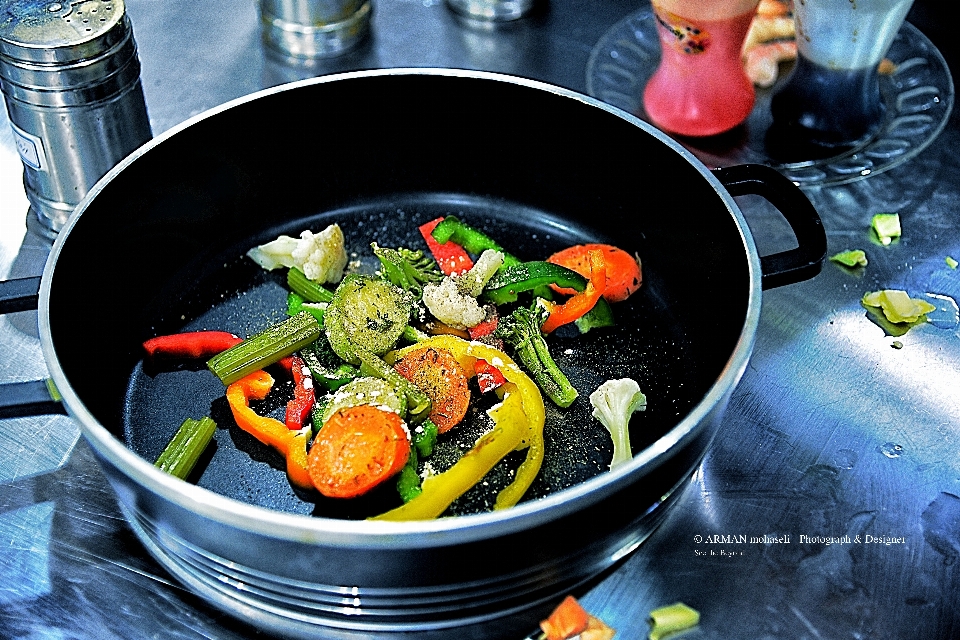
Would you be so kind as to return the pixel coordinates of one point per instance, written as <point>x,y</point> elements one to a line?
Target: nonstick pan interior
<point>384,155</point>
<point>648,345</point>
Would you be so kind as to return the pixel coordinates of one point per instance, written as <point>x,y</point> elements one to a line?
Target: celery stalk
<point>265,348</point>
<point>187,445</point>
<point>310,290</point>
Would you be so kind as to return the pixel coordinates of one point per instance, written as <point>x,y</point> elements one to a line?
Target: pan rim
<point>394,535</point>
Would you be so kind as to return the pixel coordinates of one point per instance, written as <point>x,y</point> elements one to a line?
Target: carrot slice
<point>358,448</point>
<point>624,274</point>
<point>438,373</point>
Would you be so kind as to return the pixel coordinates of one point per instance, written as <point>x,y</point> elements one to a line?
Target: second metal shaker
<point>70,78</point>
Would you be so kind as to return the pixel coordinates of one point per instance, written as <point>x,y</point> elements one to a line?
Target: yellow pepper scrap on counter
<point>271,432</point>
<point>518,423</point>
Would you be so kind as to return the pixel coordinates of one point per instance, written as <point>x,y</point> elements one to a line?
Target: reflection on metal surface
<point>25,553</point>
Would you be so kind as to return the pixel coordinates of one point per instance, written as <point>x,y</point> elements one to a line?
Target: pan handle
<point>794,265</point>
<point>33,397</point>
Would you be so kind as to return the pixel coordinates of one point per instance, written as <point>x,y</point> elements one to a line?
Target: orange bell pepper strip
<point>270,431</point>
<point>582,302</point>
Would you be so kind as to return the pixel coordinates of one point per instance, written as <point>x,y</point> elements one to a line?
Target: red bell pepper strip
<point>488,376</point>
<point>450,257</point>
<point>270,431</point>
<point>581,302</point>
<point>487,326</point>
<point>191,344</point>
<point>303,396</point>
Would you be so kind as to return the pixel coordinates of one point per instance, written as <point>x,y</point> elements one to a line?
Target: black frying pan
<point>379,153</point>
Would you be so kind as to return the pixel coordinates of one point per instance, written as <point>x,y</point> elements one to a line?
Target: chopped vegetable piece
<point>292,445</point>
<point>566,621</point>
<point>408,482</point>
<point>613,403</point>
<point>298,409</point>
<point>451,257</point>
<point>321,257</point>
<point>438,374</point>
<point>672,619</point>
<point>265,348</point>
<point>326,367</point>
<point>487,326</point>
<point>308,289</point>
<point>624,274</point>
<point>886,226</point>
<point>897,305</point>
<point>570,621</point>
<point>451,229</point>
<point>187,445</point>
<point>296,304</point>
<point>521,330</point>
<point>366,312</point>
<point>451,306</point>
<point>600,316</point>
<point>851,258</point>
<point>488,376</point>
<point>407,269</point>
<point>953,264</point>
<point>418,403</point>
<point>191,344</point>
<point>357,449</point>
<point>518,422</point>
<point>366,390</point>
<point>424,437</point>
<point>506,284</point>
<point>582,301</point>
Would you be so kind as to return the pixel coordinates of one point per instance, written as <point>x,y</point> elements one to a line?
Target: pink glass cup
<point>700,87</point>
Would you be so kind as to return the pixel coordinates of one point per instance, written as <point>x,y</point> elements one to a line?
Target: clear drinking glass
<point>831,102</point>
<point>700,87</point>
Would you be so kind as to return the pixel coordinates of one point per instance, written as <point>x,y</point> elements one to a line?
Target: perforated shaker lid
<point>60,31</point>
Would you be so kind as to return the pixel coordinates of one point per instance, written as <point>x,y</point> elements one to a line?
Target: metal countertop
<point>837,428</point>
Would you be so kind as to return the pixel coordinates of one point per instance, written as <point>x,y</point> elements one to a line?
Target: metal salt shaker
<point>70,78</point>
<point>304,30</point>
<point>491,10</point>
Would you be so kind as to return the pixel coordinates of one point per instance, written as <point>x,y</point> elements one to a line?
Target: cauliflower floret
<point>448,305</point>
<point>613,403</point>
<point>322,257</point>
<point>453,301</point>
<point>473,281</point>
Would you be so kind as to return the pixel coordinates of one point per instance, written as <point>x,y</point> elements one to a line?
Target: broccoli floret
<point>406,268</point>
<point>613,403</point>
<point>521,331</point>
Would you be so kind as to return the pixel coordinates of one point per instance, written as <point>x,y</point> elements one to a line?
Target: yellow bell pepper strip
<point>518,424</point>
<point>581,302</point>
<point>270,431</point>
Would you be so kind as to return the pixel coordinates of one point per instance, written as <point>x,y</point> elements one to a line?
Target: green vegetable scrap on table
<point>672,619</point>
<point>951,262</point>
<point>886,226</point>
<point>850,258</point>
<point>897,306</point>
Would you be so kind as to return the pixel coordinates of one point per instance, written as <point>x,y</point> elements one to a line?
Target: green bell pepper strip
<point>507,283</point>
<point>451,229</point>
